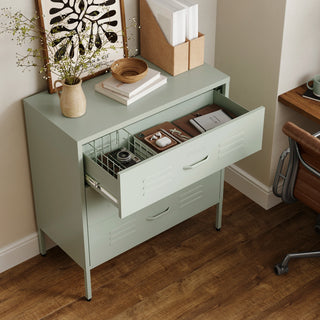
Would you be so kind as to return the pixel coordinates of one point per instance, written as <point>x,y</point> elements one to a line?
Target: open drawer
<point>158,176</point>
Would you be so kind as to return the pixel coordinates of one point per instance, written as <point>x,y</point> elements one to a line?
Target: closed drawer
<point>163,174</point>
<point>109,235</point>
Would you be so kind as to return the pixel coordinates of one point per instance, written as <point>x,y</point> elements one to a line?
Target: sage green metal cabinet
<point>93,215</point>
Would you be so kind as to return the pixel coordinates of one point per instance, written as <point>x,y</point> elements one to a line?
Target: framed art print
<point>77,28</point>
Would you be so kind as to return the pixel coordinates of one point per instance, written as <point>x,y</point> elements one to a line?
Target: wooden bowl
<point>129,70</point>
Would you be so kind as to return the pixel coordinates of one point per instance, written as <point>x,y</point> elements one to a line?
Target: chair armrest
<point>280,176</point>
<point>306,165</point>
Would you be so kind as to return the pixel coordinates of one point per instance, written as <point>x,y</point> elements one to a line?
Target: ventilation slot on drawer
<point>124,231</point>
<point>191,195</point>
<point>157,182</point>
<point>117,151</point>
<point>231,145</point>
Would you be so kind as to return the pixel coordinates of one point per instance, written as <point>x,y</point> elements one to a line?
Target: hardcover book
<point>210,120</point>
<point>184,122</point>
<point>131,89</point>
<point>126,100</point>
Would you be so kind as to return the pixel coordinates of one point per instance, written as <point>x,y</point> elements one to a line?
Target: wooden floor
<point>188,272</point>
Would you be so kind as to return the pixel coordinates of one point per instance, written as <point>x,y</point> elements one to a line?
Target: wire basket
<point>105,151</point>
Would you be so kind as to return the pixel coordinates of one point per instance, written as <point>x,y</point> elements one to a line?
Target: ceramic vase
<point>72,99</point>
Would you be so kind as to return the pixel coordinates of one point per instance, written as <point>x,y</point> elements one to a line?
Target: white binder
<point>192,18</point>
<point>171,18</point>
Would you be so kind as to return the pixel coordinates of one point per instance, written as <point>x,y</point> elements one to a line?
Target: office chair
<point>300,180</point>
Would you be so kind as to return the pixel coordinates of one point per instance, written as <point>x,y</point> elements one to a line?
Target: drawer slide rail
<point>96,186</point>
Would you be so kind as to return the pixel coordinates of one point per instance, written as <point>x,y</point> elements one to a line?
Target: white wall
<point>16,214</point>
<point>300,60</point>
<point>268,48</point>
<point>248,48</point>
<point>300,57</point>
<point>18,240</point>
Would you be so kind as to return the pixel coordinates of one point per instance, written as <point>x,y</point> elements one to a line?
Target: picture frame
<point>100,19</point>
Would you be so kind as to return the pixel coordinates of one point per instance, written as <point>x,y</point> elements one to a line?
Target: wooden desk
<point>294,99</point>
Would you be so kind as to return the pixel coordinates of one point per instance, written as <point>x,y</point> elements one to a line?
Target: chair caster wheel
<point>280,269</point>
<point>218,229</point>
<point>317,228</point>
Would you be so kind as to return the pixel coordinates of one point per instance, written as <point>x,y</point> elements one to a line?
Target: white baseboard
<point>20,251</point>
<point>251,187</point>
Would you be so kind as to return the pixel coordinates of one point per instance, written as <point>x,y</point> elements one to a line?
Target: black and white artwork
<point>79,27</point>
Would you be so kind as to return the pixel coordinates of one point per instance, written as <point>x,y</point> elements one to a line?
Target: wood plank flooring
<point>189,272</point>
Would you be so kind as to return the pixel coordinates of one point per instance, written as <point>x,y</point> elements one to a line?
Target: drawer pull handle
<point>158,215</point>
<point>196,164</point>
<point>96,185</point>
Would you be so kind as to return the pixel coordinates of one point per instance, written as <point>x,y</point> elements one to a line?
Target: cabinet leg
<point>42,242</point>
<point>87,283</point>
<point>218,216</point>
<point>219,205</point>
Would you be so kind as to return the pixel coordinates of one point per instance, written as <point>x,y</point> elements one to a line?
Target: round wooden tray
<point>129,70</point>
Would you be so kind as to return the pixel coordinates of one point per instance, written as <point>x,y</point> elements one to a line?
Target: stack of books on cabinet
<point>169,35</point>
<point>127,93</point>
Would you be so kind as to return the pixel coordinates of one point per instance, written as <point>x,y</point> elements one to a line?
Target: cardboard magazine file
<point>155,47</point>
<point>196,51</point>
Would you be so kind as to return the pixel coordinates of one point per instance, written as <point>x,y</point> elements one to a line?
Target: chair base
<point>282,267</point>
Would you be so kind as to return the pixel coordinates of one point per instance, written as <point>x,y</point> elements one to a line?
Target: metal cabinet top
<point>104,114</point>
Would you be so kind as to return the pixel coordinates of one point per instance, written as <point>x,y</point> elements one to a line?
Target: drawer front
<point>192,161</point>
<point>109,235</point>
<point>174,169</point>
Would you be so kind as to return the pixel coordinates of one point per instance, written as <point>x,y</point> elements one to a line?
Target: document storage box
<point>196,51</point>
<point>155,47</point>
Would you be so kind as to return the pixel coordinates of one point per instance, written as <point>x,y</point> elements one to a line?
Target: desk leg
<point>87,283</point>
<point>219,205</point>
